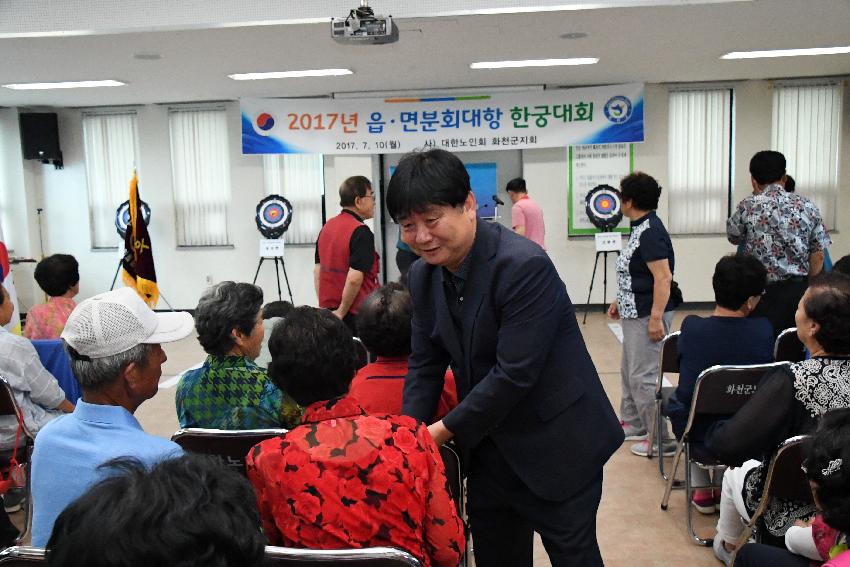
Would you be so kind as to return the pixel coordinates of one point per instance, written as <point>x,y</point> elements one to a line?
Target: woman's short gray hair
<point>222,308</point>
<point>94,374</point>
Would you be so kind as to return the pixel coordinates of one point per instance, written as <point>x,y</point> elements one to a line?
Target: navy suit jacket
<point>523,373</point>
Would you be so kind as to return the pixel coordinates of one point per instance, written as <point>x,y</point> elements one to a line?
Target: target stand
<point>274,214</point>
<point>603,207</point>
<point>272,249</point>
<point>606,243</point>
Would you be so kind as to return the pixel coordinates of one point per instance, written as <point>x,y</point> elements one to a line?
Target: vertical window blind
<point>200,165</point>
<point>806,129</point>
<point>110,143</point>
<point>300,178</point>
<point>699,160</point>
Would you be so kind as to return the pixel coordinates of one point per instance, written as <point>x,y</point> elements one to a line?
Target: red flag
<point>138,270</point>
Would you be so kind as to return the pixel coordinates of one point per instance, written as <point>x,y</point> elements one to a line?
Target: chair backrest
<point>723,390</point>
<point>275,556</point>
<point>22,556</point>
<point>231,446</point>
<point>785,477</point>
<point>669,362</point>
<point>451,460</point>
<point>789,347</point>
<point>670,353</point>
<point>361,353</point>
<point>366,557</point>
<point>9,406</point>
<point>55,359</point>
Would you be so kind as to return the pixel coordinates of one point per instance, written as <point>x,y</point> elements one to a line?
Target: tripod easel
<point>604,254</point>
<point>277,275</point>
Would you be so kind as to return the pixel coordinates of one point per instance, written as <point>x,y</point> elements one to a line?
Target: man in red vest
<point>346,262</point>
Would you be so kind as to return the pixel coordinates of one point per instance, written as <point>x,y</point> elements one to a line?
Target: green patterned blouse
<point>232,392</point>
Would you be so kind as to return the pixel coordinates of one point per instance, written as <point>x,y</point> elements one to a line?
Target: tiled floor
<point>632,529</point>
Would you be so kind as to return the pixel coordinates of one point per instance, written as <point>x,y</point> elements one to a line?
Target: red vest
<point>334,253</point>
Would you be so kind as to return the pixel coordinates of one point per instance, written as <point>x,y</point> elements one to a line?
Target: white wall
<point>18,204</point>
<point>545,172</point>
<point>182,273</point>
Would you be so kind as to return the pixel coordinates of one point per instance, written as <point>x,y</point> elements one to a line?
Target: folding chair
<point>720,390</point>
<point>9,406</point>
<point>366,557</point>
<point>789,347</point>
<point>360,353</point>
<point>231,445</point>
<point>454,475</point>
<point>52,354</point>
<point>22,556</point>
<point>785,479</point>
<point>669,364</point>
<point>274,557</point>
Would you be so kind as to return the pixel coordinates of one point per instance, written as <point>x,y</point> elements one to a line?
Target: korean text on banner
<point>481,122</point>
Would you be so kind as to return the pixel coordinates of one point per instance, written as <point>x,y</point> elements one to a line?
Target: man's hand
<point>339,314</point>
<point>656,329</point>
<point>613,312</point>
<point>439,433</point>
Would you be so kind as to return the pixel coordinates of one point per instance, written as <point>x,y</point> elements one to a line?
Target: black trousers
<point>779,303</point>
<point>504,514</point>
<point>760,555</point>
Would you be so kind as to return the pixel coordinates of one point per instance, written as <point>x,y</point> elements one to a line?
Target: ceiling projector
<point>363,26</point>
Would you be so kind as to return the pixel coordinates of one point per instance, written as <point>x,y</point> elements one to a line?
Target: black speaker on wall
<point>40,137</point>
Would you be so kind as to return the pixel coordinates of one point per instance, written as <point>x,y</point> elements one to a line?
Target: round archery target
<point>274,213</point>
<point>122,217</point>
<point>603,207</point>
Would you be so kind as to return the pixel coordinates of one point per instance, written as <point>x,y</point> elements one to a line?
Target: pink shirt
<point>46,321</point>
<point>527,213</point>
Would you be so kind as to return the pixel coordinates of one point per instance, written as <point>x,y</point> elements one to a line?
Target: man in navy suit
<point>533,417</point>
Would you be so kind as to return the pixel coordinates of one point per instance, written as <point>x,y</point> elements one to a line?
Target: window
<point>300,178</point>
<point>806,129</point>
<point>110,143</point>
<point>699,158</point>
<point>200,166</point>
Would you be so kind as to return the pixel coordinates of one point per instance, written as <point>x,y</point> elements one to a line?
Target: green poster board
<point>589,166</point>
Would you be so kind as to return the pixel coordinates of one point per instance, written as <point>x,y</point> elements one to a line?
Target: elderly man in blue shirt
<point>113,340</point>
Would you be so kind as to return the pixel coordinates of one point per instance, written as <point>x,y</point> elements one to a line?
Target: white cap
<point>115,321</point>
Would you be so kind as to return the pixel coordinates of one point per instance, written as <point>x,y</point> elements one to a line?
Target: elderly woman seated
<point>59,277</point>
<point>788,401</point>
<point>229,391</point>
<point>345,479</point>
<point>384,326</point>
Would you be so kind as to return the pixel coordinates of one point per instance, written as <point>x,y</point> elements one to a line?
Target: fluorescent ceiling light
<point>533,63</point>
<point>786,52</point>
<point>64,85</point>
<point>291,74</point>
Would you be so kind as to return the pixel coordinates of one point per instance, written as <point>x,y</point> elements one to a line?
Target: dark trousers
<point>504,514</point>
<point>779,303</point>
<point>759,555</point>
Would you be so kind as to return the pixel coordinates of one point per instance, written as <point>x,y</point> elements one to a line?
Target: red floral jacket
<point>344,479</point>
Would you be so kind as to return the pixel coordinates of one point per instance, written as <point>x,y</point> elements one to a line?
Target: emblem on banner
<point>618,109</point>
<point>264,122</point>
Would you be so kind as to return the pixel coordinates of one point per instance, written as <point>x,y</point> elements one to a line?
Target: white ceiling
<point>641,43</point>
